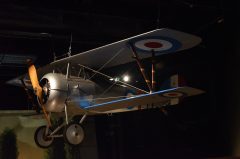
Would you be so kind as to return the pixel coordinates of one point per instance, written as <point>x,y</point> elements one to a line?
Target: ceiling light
<point>126,78</point>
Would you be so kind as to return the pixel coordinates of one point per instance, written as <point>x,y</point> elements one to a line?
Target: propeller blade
<point>34,80</point>
<point>37,89</point>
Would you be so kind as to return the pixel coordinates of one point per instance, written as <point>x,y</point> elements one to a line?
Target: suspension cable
<point>70,47</point>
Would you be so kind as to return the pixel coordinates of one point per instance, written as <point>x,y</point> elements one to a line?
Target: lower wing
<point>153,99</point>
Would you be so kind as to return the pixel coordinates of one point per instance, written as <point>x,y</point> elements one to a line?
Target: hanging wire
<point>70,47</point>
<point>158,15</point>
<point>54,56</point>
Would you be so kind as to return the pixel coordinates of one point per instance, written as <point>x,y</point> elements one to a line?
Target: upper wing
<point>162,41</point>
<point>155,99</point>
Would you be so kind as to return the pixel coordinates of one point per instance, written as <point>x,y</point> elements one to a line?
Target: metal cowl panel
<point>58,91</point>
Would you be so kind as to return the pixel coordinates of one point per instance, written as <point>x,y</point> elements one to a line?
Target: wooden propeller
<point>37,89</point>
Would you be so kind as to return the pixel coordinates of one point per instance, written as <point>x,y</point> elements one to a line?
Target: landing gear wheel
<point>74,134</point>
<point>41,139</point>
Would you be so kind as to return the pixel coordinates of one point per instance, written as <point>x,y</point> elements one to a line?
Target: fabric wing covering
<point>162,41</point>
<point>157,99</point>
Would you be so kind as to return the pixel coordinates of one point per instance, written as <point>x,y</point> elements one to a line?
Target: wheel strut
<point>83,118</point>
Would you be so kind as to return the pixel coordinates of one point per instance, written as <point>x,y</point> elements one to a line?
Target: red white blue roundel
<point>157,44</point>
<point>173,94</point>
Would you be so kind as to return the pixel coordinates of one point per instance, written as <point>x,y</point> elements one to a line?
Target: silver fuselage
<point>82,92</point>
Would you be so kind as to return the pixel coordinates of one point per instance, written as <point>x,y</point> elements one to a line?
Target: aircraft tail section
<point>173,81</point>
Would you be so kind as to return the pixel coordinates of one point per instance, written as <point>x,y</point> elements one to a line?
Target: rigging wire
<point>106,90</point>
<point>126,84</point>
<point>110,60</point>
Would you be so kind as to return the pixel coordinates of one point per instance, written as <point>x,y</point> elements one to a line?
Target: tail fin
<point>173,82</point>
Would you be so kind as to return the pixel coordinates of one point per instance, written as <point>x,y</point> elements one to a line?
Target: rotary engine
<point>54,91</point>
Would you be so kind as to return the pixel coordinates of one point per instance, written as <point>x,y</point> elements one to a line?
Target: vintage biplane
<point>71,86</point>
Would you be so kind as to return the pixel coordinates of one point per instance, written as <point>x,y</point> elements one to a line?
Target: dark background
<point>200,127</point>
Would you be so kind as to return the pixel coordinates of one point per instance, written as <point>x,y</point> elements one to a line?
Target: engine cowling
<point>55,91</point>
